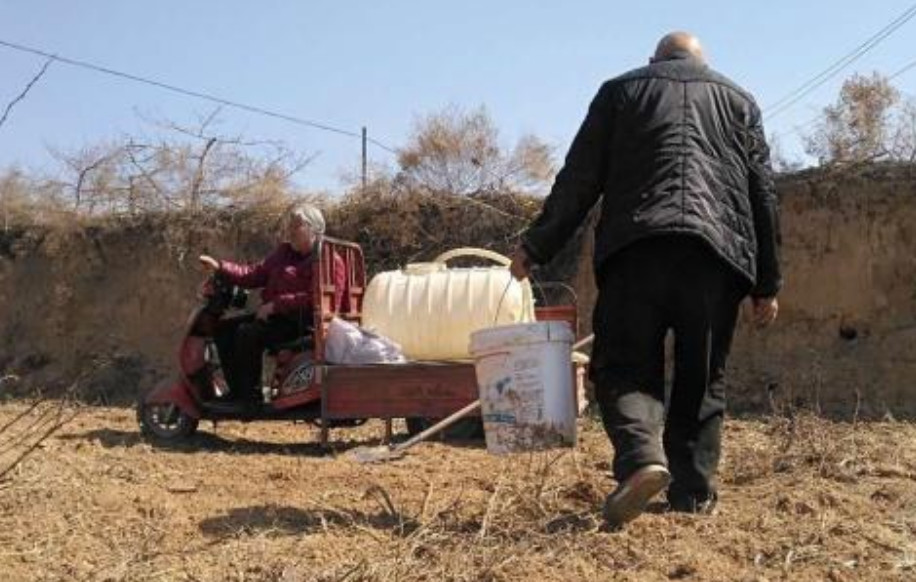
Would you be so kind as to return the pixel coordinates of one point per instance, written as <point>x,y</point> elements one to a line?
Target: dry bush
<point>870,121</point>
<point>397,225</point>
<point>180,169</point>
<point>459,152</point>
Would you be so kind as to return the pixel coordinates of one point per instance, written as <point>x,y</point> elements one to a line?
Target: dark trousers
<point>659,284</point>
<point>241,342</point>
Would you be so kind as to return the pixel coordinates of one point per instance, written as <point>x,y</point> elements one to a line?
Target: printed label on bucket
<point>513,404</point>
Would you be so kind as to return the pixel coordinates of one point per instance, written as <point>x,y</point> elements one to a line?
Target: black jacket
<point>674,148</point>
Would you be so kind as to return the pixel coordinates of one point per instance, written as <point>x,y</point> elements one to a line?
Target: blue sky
<point>534,65</point>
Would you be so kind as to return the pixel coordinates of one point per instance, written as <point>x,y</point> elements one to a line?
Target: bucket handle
<point>473,252</point>
<point>527,298</point>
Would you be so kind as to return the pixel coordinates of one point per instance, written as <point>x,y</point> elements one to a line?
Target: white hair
<point>310,215</point>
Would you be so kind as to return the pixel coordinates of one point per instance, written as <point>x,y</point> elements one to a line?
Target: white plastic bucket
<point>524,374</point>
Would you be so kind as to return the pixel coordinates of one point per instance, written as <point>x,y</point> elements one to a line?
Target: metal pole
<point>364,156</point>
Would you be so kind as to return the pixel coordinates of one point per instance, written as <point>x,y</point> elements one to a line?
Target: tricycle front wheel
<point>164,422</point>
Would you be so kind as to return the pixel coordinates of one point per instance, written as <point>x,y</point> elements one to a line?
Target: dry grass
<point>802,499</point>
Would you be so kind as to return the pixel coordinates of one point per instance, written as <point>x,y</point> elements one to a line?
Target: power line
<point>192,93</point>
<point>847,59</point>
<point>795,96</point>
<point>798,128</point>
<point>376,142</point>
<point>903,70</point>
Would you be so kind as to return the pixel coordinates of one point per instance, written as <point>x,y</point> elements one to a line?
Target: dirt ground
<point>801,499</point>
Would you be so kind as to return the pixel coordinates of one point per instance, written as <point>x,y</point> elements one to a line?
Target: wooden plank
<point>393,391</point>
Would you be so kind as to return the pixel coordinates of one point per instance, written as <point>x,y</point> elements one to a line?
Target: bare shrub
<point>459,152</point>
<point>870,121</point>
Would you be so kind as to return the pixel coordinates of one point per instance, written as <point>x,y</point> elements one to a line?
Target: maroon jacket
<point>285,278</point>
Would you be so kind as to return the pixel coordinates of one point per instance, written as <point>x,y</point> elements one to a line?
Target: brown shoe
<point>630,498</point>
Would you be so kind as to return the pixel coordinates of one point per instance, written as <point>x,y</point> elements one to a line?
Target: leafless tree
<point>185,168</point>
<point>92,172</point>
<point>24,92</point>
<point>870,121</point>
<point>15,196</point>
<point>459,152</point>
<point>14,189</point>
<point>903,143</point>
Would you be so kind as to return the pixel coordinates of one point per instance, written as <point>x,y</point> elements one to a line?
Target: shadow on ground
<point>208,442</point>
<point>285,520</point>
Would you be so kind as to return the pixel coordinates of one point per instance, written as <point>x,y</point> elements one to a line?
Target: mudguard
<point>175,392</point>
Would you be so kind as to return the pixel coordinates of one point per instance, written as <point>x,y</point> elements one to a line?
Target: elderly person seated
<point>287,301</point>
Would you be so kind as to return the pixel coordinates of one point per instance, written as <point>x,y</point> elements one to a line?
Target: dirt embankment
<point>101,307</point>
<point>105,305</point>
<point>848,331</point>
<point>845,340</point>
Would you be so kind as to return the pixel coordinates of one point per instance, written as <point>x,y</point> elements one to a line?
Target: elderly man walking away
<point>688,229</point>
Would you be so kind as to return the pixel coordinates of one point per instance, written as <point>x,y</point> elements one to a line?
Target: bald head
<point>678,42</point>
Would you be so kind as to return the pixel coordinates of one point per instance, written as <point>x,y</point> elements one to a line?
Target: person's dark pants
<point>241,342</point>
<point>659,284</point>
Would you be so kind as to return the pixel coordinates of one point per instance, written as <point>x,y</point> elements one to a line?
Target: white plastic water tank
<point>431,309</point>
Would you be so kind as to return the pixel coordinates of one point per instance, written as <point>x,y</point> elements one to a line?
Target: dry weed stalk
<point>25,433</point>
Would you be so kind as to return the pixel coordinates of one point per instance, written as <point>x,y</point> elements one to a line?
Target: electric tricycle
<point>302,386</point>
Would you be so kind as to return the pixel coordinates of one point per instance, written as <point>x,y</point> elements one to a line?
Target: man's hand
<point>521,264</point>
<point>209,263</point>
<point>765,310</point>
<point>265,311</point>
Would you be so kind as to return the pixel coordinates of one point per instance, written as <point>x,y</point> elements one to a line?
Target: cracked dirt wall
<point>105,306</point>
<point>845,340</point>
